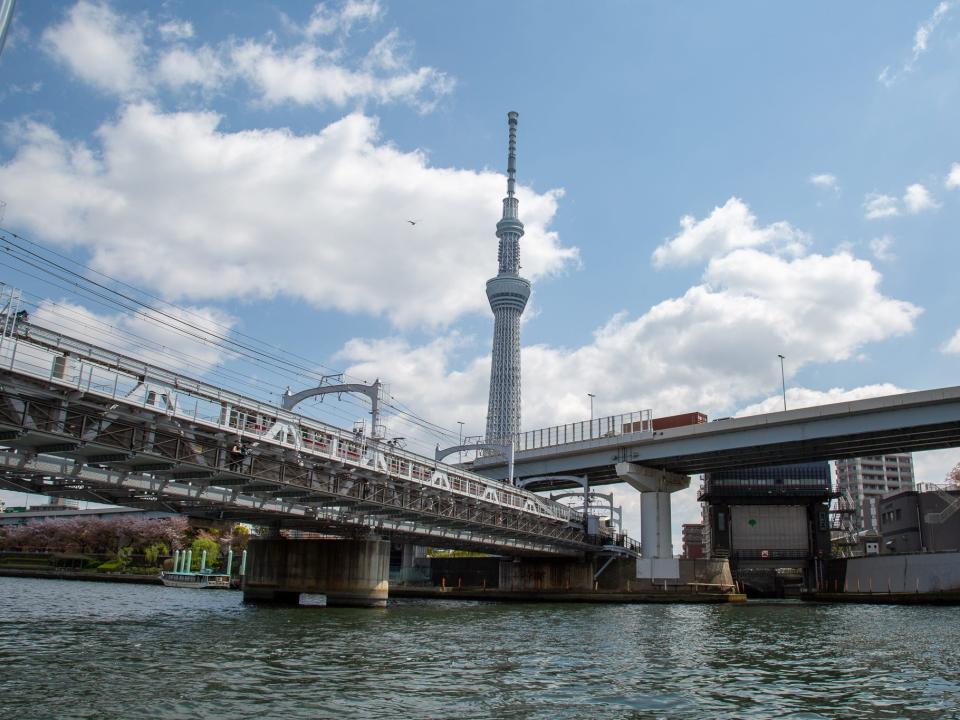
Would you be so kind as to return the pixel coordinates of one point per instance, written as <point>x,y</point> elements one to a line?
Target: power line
<point>105,296</point>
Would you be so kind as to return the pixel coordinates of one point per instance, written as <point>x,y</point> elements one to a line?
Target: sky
<point>704,187</point>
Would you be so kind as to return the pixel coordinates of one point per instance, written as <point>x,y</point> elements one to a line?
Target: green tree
<point>204,541</point>
<point>153,552</point>
<point>240,536</point>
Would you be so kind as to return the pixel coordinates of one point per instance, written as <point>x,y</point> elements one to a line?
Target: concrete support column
<point>350,573</point>
<point>656,541</point>
<point>655,525</point>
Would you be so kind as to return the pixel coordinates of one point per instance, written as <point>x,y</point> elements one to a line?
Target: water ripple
<point>87,650</point>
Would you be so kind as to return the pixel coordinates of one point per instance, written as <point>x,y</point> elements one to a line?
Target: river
<point>102,650</point>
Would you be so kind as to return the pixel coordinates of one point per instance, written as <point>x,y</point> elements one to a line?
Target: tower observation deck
<point>508,294</point>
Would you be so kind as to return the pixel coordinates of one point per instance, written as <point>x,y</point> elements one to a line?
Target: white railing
<point>68,362</point>
<point>605,427</point>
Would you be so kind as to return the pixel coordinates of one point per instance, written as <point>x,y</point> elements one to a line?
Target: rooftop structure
<point>923,520</point>
<point>508,294</point>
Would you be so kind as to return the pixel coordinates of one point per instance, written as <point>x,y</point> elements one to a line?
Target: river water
<point>101,650</point>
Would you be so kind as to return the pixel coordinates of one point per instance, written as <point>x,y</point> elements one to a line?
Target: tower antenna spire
<point>512,118</point>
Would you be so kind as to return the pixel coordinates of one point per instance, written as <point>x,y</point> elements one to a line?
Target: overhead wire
<point>107,297</point>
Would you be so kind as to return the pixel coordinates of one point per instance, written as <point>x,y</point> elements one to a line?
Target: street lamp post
<point>460,454</point>
<point>783,382</point>
<point>591,396</point>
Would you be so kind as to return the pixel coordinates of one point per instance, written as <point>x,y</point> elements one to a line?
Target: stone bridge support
<point>350,573</point>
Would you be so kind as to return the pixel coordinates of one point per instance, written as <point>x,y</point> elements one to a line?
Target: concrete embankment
<point>79,575</point>
<point>435,593</point>
<point>562,596</point>
<point>922,578</point>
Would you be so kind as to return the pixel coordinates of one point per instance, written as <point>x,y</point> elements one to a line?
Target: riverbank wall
<point>902,578</point>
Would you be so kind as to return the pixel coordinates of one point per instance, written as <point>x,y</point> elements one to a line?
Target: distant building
<point>65,503</point>
<point>925,521</point>
<point>771,522</point>
<point>868,479</point>
<point>693,541</point>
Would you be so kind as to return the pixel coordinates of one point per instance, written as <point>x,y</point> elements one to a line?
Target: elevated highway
<point>909,422</point>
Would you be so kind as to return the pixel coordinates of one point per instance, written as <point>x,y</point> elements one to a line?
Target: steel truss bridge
<point>86,423</point>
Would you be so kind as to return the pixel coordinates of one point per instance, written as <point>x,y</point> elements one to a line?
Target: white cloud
<point>921,43</point>
<point>922,36</point>
<point>176,30</point>
<point>880,247</point>
<point>953,344</point>
<point>728,227</point>
<point>917,199</point>
<point>878,206</point>
<point>99,46</point>
<point>825,180</point>
<point>175,340</point>
<point>202,67</point>
<point>171,202</point>
<point>108,50</point>
<point>325,20</point>
<point>953,179</point>
<point>307,75</point>
<point>716,345</point>
<point>805,397</point>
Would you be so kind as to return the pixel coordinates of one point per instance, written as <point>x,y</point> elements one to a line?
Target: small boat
<point>200,580</point>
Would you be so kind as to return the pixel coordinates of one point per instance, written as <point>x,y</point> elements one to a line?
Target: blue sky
<point>704,187</point>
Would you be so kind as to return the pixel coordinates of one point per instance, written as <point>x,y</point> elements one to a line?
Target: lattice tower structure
<point>508,294</point>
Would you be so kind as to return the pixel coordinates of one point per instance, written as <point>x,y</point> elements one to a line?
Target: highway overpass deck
<point>908,422</point>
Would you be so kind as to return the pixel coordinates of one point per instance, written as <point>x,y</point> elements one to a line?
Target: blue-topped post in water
<point>188,563</point>
<point>230,562</point>
<point>176,561</point>
<point>203,561</point>
<point>243,564</point>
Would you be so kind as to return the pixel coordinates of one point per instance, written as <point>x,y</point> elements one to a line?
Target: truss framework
<point>77,427</point>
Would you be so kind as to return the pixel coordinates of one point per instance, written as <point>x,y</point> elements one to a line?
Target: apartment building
<point>867,479</point>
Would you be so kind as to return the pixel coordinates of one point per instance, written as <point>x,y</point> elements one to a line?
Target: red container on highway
<point>675,421</point>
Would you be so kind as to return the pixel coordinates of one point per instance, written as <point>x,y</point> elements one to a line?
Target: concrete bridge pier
<point>656,541</point>
<point>350,573</point>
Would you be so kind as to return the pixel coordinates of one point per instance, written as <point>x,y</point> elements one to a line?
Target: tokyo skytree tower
<point>508,294</point>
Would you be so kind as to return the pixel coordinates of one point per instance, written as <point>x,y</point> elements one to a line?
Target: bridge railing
<point>640,421</point>
<point>65,361</point>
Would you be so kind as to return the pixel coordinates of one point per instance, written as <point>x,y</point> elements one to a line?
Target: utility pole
<point>460,454</point>
<point>783,382</point>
